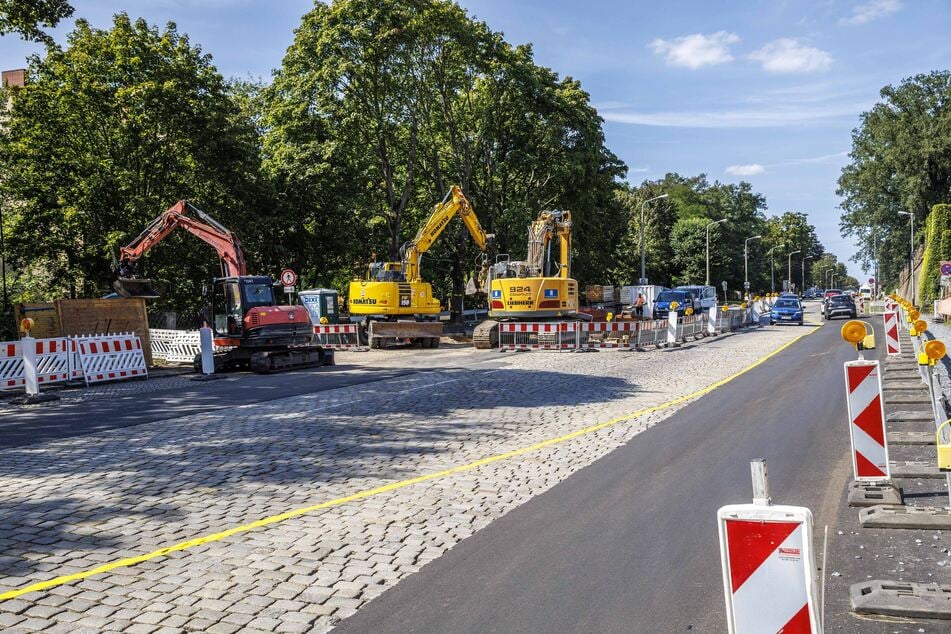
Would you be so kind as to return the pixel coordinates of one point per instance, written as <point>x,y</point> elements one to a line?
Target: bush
<point>937,248</point>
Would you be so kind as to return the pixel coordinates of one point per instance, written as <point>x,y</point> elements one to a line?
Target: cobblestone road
<point>72,505</point>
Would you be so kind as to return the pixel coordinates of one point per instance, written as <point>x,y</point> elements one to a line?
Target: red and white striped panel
<point>609,326</point>
<point>53,362</point>
<point>537,327</point>
<point>866,421</point>
<point>768,569</point>
<point>111,358</point>
<point>892,340</point>
<point>337,336</point>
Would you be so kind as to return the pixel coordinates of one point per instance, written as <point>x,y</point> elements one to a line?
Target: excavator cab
<point>385,272</point>
<point>233,297</point>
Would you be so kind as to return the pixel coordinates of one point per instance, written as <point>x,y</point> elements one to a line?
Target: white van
<point>865,292</point>
<point>706,295</point>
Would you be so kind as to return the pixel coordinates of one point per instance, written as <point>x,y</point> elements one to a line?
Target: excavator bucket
<point>135,287</point>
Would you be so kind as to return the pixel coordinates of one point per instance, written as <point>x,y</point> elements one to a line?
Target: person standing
<point>639,306</point>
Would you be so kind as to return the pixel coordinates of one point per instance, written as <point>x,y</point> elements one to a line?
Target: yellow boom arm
<point>540,234</point>
<point>455,203</point>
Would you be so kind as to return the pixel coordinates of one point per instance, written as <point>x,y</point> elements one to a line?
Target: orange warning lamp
<point>674,305</point>
<point>914,314</point>
<point>921,325</point>
<point>26,324</point>
<point>724,308</point>
<point>935,349</point>
<point>854,331</point>
<point>687,312</point>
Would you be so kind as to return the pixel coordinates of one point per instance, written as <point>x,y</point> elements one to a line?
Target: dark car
<point>832,292</point>
<point>840,306</point>
<point>663,301</point>
<point>786,310</point>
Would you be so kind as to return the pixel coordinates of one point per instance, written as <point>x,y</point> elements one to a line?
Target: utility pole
<point>715,222</point>
<point>746,262</point>
<point>643,280</point>
<point>789,270</point>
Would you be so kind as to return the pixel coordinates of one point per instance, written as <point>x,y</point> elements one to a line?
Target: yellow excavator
<point>397,305</point>
<point>529,290</point>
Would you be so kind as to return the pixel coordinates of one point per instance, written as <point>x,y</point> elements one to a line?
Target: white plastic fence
<point>571,335</point>
<point>111,357</point>
<point>175,346</point>
<point>56,361</point>
<point>338,336</point>
<point>60,359</point>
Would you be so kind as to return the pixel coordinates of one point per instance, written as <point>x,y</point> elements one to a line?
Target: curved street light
<point>789,271</point>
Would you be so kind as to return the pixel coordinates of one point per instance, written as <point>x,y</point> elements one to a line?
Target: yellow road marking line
<point>274,519</point>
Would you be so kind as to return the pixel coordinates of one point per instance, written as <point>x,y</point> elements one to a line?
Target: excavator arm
<point>455,203</point>
<point>541,232</point>
<point>223,241</point>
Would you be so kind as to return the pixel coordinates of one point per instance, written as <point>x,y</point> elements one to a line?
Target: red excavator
<point>247,322</point>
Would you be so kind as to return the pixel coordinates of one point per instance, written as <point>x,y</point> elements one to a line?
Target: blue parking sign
<point>496,294</point>
<point>551,292</point>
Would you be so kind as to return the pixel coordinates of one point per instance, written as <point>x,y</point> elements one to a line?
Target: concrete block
<point>903,416</point>
<point>867,494</point>
<point>901,599</point>
<point>906,517</point>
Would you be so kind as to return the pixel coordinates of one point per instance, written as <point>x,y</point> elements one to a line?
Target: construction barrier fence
<point>338,336</point>
<point>60,359</point>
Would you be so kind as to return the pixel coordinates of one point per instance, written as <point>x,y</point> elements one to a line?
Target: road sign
<point>642,281</point>
<point>288,289</point>
<point>288,278</point>
<point>769,571</point>
<point>866,421</point>
<point>945,267</point>
<point>871,280</point>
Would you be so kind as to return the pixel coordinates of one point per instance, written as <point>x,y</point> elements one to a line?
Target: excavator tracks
<point>485,336</point>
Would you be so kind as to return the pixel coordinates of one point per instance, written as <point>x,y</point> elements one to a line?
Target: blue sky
<point>764,91</point>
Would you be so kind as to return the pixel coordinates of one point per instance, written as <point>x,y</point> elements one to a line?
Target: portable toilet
<point>321,303</point>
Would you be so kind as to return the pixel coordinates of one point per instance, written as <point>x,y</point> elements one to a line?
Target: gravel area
<point>71,505</point>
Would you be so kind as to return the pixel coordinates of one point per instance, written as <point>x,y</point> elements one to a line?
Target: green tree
<point>27,17</point>
<point>108,133</point>
<point>901,161</point>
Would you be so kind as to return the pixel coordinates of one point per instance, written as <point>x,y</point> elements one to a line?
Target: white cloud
<point>696,50</point>
<point>787,55</point>
<point>745,170</point>
<point>767,117</point>
<point>639,170</point>
<point>868,11</point>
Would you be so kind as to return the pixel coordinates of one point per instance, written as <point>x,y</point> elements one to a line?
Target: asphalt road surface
<point>630,542</point>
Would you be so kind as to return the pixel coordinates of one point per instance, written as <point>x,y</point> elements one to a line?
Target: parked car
<point>663,301</point>
<point>840,305</point>
<point>786,310</point>
<point>704,296</point>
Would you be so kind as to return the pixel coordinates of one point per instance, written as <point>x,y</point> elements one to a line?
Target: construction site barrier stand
<point>55,361</point>
<point>111,357</point>
<point>866,421</point>
<point>338,336</point>
<point>768,564</point>
<point>207,344</point>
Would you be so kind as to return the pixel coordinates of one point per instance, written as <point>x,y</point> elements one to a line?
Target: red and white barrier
<point>338,336</point>
<point>55,362</point>
<point>538,335</point>
<point>866,421</point>
<point>111,357</point>
<point>892,340</point>
<point>769,571</point>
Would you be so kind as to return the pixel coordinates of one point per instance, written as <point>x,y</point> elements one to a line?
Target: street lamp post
<point>803,289</point>
<point>772,268</point>
<point>643,279</point>
<point>911,256</point>
<point>825,278</point>
<point>715,222</point>
<point>789,270</point>
<point>746,262</point>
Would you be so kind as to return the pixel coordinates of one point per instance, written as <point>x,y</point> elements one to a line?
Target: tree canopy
<point>27,18</point>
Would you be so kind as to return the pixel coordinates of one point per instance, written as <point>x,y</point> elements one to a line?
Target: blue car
<point>786,310</point>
